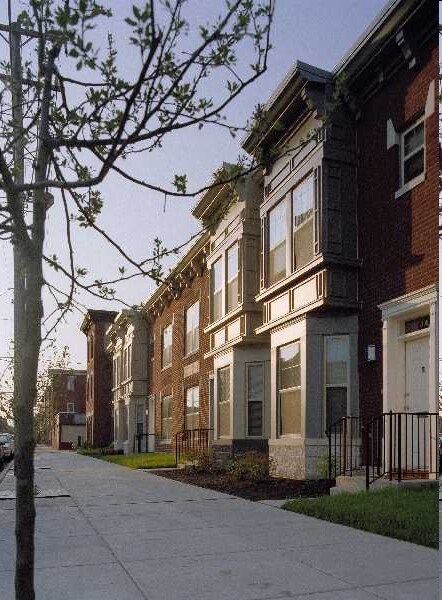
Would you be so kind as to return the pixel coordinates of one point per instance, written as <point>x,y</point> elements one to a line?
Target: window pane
<point>414,139</point>
<point>166,418</point>
<point>414,166</point>
<point>337,355</point>
<point>289,366</point>
<point>290,412</point>
<point>302,201</point>
<point>167,345</point>
<point>232,294</point>
<point>192,328</point>
<point>336,404</point>
<point>224,402</point>
<point>302,204</point>
<point>277,243</point>
<point>255,397</point>
<point>217,305</point>
<point>217,284</point>
<point>192,408</point>
<point>232,262</point>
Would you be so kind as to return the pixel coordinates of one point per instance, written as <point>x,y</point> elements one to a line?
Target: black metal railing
<point>144,442</point>
<point>191,441</point>
<point>393,445</point>
<point>345,447</point>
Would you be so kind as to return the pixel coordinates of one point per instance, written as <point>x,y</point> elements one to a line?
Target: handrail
<point>191,440</point>
<point>392,444</point>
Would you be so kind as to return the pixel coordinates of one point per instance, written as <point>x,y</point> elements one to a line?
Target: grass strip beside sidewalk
<point>409,514</point>
<point>149,460</point>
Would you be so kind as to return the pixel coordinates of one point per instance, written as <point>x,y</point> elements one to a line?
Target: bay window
<point>217,290</point>
<point>302,223</point>
<point>289,389</point>
<point>277,243</point>
<point>232,278</point>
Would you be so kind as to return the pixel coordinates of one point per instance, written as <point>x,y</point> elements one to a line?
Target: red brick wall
<point>100,430</point>
<point>398,238</point>
<point>171,380</point>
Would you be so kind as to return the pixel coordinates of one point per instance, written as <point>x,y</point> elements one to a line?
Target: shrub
<point>203,461</point>
<point>250,466</point>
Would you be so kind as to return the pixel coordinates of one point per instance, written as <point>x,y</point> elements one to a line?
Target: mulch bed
<point>267,489</point>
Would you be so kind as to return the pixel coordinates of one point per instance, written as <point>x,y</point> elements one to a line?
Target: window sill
<point>409,186</point>
<point>166,367</point>
<point>193,353</point>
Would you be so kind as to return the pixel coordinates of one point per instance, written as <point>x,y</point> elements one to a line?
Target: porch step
<point>352,484</point>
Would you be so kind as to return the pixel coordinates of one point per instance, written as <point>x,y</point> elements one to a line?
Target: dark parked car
<point>7,444</point>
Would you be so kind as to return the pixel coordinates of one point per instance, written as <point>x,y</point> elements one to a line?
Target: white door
<point>417,354</point>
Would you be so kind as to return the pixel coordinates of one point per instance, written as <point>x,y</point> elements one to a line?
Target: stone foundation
<point>299,458</point>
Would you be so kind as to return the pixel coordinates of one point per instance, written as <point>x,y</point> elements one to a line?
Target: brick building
<point>64,408</point>
<point>180,375</point>
<point>394,86</point>
<point>339,325</point>
<point>99,414</point>
<point>349,240</point>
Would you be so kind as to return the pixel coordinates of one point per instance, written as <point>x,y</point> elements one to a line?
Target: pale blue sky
<point>315,31</point>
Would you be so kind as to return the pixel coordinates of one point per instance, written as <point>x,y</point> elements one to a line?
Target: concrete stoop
<point>352,484</point>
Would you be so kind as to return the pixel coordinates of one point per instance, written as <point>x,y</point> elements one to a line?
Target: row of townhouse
<point>312,295</point>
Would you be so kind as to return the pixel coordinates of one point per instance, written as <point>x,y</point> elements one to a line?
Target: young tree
<point>69,118</point>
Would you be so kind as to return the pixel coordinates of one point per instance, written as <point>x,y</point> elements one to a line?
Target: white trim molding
<point>394,314</point>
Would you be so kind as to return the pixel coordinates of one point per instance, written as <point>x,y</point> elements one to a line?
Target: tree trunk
<point>26,350</point>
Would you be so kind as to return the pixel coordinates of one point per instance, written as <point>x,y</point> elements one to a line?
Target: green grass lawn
<point>410,514</point>
<point>150,460</point>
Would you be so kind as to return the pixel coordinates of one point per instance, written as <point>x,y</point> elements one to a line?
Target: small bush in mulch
<point>246,476</point>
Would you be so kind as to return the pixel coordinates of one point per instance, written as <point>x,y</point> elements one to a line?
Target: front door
<point>417,354</point>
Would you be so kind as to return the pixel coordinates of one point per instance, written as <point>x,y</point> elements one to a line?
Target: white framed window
<point>217,290</point>
<point>192,328</point>
<point>336,351</point>
<point>302,223</point>
<point>223,376</point>
<point>167,346</point>
<point>166,418</point>
<point>70,408</point>
<point>255,398</point>
<point>289,389</point>
<point>413,152</point>
<point>192,407</point>
<point>277,243</point>
<point>70,383</point>
<point>232,270</point>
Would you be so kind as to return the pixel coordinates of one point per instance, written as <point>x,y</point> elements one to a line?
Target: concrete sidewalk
<point>128,535</point>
